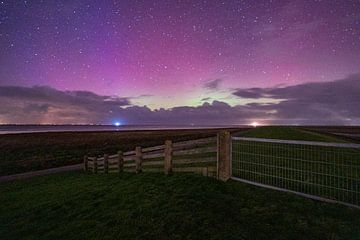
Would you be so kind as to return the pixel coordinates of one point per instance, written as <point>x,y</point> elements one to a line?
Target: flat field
<point>35,151</point>
<point>155,206</point>
<point>331,172</point>
<point>181,206</point>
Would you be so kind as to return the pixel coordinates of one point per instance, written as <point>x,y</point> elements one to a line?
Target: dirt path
<point>70,168</point>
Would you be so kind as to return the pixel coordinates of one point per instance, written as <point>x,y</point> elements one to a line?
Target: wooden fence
<point>198,156</point>
<point>327,172</point>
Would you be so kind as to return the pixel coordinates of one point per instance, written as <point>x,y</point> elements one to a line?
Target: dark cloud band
<point>335,102</point>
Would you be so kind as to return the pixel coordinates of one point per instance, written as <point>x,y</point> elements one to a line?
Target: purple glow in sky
<point>172,53</point>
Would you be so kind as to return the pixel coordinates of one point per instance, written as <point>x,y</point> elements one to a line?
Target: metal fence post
<point>168,157</point>
<point>223,155</point>
<point>138,159</point>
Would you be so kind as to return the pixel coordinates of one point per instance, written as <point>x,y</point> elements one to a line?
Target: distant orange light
<point>255,124</point>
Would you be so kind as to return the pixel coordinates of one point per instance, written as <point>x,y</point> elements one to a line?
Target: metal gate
<point>323,171</point>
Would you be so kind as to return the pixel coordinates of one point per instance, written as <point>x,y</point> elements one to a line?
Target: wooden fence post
<point>86,167</point>
<point>205,171</point>
<point>168,157</point>
<point>120,161</point>
<point>95,165</point>
<point>106,163</point>
<point>138,159</point>
<point>223,155</point>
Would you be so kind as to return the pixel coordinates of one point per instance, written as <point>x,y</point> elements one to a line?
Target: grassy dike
<point>289,133</point>
<point>35,151</point>
<point>155,206</point>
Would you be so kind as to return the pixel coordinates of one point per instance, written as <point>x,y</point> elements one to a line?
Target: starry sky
<point>166,55</point>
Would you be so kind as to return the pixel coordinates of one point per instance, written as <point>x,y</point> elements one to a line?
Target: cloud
<point>44,93</point>
<point>250,93</point>
<point>206,99</point>
<point>40,108</point>
<point>335,102</point>
<point>213,84</point>
<point>42,104</point>
<point>45,105</point>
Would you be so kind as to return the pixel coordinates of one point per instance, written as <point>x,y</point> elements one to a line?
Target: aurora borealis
<point>177,61</point>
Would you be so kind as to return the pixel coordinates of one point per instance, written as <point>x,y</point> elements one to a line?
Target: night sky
<point>154,61</point>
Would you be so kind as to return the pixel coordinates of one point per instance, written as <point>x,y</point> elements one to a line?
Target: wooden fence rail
<point>198,156</point>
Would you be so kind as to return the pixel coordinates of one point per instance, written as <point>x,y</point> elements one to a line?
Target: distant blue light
<point>117,124</point>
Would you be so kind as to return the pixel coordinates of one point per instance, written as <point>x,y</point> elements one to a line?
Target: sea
<point>15,129</point>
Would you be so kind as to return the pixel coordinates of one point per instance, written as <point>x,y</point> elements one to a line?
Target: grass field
<point>34,151</point>
<point>289,133</point>
<point>155,206</point>
<point>348,133</point>
<point>329,172</point>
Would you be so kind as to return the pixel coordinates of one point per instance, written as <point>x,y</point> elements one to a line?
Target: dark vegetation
<point>329,172</point>
<point>155,206</point>
<point>34,151</point>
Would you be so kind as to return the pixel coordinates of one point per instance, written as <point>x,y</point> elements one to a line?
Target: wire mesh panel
<point>325,171</point>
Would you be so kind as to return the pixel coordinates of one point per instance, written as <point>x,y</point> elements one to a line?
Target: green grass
<point>155,206</point>
<point>329,172</point>
<point>35,151</point>
<point>288,133</point>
